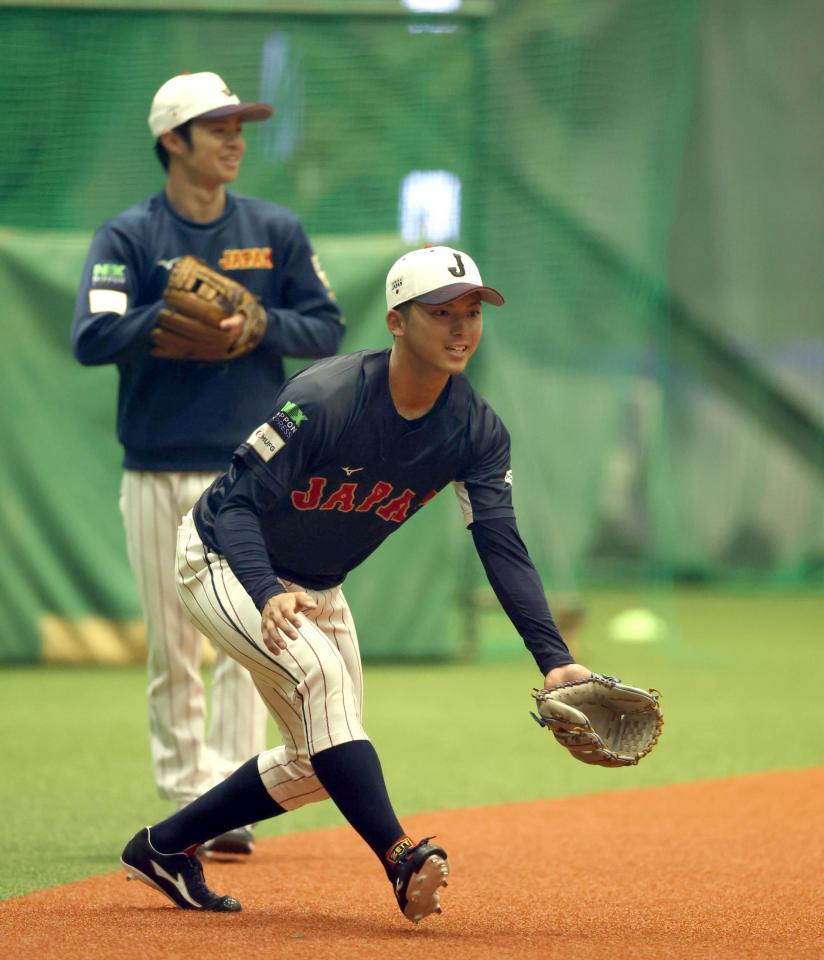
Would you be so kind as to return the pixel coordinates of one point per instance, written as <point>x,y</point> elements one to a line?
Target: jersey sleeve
<point>518,587</point>
<point>237,527</point>
<point>266,466</point>
<point>484,489</point>
<point>308,323</point>
<point>111,323</point>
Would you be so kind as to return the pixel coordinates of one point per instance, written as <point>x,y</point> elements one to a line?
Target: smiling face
<point>214,155</point>
<point>438,338</point>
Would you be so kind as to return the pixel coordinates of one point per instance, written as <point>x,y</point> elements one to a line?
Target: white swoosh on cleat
<point>177,881</point>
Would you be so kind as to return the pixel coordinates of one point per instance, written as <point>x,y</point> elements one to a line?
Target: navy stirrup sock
<point>239,800</point>
<point>351,774</point>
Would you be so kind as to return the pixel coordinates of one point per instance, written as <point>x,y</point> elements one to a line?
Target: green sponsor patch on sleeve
<point>112,274</point>
<point>294,413</point>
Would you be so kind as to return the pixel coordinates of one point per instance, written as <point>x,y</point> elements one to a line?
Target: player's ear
<point>173,142</point>
<point>395,322</point>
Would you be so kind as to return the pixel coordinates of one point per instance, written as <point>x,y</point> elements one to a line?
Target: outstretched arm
<point>520,592</point>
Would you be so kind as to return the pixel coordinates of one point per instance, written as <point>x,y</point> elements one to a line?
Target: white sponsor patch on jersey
<point>464,501</point>
<point>508,477</point>
<point>266,441</point>
<point>108,301</point>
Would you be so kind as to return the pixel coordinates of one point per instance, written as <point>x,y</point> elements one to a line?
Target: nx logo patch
<point>288,419</point>
<point>110,274</point>
<point>294,413</point>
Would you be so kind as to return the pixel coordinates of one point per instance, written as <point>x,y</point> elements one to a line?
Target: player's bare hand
<point>570,671</point>
<point>280,619</point>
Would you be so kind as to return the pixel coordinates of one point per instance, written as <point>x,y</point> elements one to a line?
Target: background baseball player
<point>181,413</point>
<point>354,447</point>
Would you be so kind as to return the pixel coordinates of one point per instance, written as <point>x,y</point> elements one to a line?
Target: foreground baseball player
<point>353,448</point>
<point>183,408</point>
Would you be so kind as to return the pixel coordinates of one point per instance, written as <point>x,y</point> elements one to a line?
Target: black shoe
<point>417,875</point>
<point>239,842</point>
<point>177,875</point>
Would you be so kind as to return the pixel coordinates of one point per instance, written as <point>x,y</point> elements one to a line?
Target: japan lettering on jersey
<point>380,497</point>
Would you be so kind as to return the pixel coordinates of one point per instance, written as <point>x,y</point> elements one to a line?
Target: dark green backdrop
<point>640,178</point>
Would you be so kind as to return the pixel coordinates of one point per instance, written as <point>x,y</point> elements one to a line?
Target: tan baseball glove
<point>601,720</point>
<point>198,298</point>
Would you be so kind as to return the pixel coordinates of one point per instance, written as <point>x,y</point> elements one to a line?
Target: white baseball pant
<point>313,689</point>
<point>187,759</point>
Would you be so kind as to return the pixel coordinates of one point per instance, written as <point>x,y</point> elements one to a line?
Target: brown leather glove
<point>601,720</point>
<point>198,298</point>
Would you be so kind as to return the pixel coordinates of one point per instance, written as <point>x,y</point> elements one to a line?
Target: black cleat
<point>418,874</point>
<point>177,875</point>
<point>239,842</point>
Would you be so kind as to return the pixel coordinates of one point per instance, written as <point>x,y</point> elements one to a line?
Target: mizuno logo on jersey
<point>247,258</point>
<point>349,498</point>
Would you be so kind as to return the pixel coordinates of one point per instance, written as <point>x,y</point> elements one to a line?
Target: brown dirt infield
<point>716,869</point>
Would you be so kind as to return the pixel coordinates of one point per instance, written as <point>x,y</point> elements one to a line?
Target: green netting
<point>360,103</point>
<point>639,178</point>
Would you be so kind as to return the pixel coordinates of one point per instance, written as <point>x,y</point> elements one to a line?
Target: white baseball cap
<point>436,275</point>
<point>201,95</point>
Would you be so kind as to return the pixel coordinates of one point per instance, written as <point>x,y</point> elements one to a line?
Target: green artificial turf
<point>738,673</point>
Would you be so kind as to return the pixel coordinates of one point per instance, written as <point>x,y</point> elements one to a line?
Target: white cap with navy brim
<point>201,96</point>
<point>436,275</point>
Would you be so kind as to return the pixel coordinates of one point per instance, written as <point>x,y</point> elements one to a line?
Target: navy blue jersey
<point>184,415</point>
<point>334,470</point>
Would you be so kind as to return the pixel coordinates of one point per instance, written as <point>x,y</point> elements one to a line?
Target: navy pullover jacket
<point>182,415</point>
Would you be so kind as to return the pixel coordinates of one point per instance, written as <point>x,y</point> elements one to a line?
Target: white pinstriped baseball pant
<point>313,689</point>
<point>187,759</point>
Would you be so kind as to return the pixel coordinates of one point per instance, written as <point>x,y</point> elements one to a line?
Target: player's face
<point>216,151</point>
<point>444,336</point>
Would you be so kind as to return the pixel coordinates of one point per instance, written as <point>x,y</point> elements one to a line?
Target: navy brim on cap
<point>455,290</point>
<point>246,111</point>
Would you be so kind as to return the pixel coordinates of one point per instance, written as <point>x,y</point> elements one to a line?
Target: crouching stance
<point>355,446</point>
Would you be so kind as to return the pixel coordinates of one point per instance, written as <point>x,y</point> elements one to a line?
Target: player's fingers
<point>271,636</point>
<point>272,646</point>
<point>234,323</point>
<point>272,642</point>
<point>305,601</point>
<point>286,622</point>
